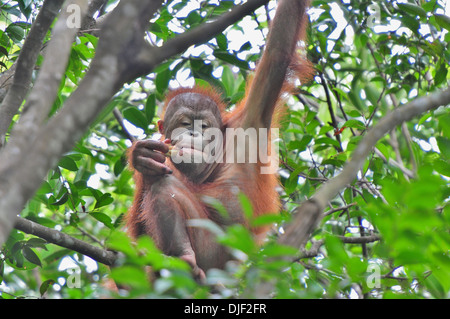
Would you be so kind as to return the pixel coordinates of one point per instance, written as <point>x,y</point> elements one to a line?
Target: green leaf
<point>277,250</point>
<point>45,188</point>
<point>266,219</point>
<point>410,22</point>
<point>162,80</point>
<point>300,145</point>
<point>336,251</point>
<point>372,94</point>
<point>206,224</point>
<point>355,124</point>
<point>119,220</point>
<point>119,165</point>
<point>353,113</point>
<point>45,285</point>
<point>3,51</point>
<point>26,3</point>
<point>222,42</point>
<point>413,9</point>
<point>444,146</point>
<point>383,149</point>
<point>107,111</point>
<point>441,73</point>
<point>96,193</point>
<point>247,207</point>
<point>150,108</point>
<point>103,218</point>
<point>355,99</point>
<point>31,256</point>
<point>292,182</point>
<point>37,242</point>
<point>68,163</point>
<point>194,18</point>
<point>327,141</point>
<point>15,32</point>
<point>62,200</point>
<point>92,39</point>
<point>238,237</point>
<point>228,80</point>
<point>443,21</point>
<point>104,200</point>
<point>424,117</point>
<point>229,58</point>
<point>2,270</point>
<point>442,167</point>
<point>356,268</point>
<point>130,276</point>
<point>435,287</point>
<point>119,241</point>
<point>136,117</point>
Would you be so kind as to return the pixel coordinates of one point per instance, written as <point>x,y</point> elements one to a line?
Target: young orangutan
<point>170,191</point>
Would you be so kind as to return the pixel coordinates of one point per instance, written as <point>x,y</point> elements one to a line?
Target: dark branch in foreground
<point>56,237</point>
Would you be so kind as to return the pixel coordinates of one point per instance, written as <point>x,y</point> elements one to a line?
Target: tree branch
<point>6,81</point>
<point>334,122</point>
<point>149,57</point>
<point>120,120</point>
<point>334,210</point>
<point>56,57</point>
<point>309,213</point>
<point>360,239</point>
<point>56,237</point>
<point>44,92</point>
<point>317,244</point>
<point>25,64</point>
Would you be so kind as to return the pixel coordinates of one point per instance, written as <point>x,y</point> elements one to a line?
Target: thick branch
<point>44,92</point>
<point>53,236</point>
<point>6,81</point>
<point>56,57</point>
<point>310,213</point>
<point>25,64</point>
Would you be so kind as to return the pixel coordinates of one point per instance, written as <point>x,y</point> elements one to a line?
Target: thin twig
<point>331,111</point>
<point>338,209</point>
<point>119,119</point>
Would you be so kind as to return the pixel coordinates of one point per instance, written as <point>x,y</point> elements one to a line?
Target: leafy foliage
<point>370,57</point>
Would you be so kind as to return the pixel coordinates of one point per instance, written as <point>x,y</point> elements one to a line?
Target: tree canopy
<point>364,147</point>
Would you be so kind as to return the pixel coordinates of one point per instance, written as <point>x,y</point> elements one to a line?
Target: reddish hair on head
<point>207,91</point>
